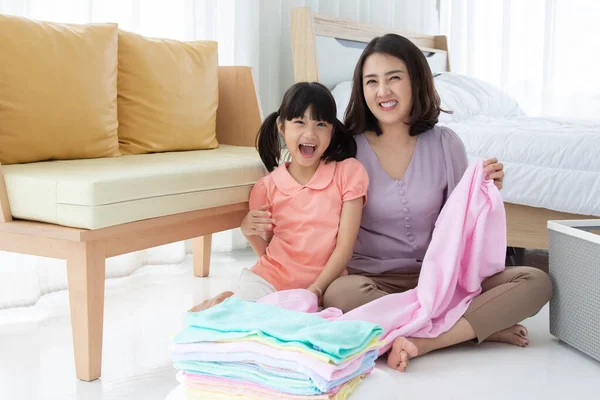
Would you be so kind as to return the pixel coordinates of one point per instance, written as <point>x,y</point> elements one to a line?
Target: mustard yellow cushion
<point>58,90</point>
<point>167,94</point>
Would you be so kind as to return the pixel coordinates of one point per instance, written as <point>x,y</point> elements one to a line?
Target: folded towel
<point>291,348</point>
<point>237,319</point>
<point>252,366</point>
<point>202,387</point>
<point>289,383</point>
<point>204,352</point>
<point>245,351</point>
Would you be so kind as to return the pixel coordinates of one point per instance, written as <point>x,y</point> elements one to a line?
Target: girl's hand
<point>257,222</point>
<point>494,170</point>
<point>317,292</point>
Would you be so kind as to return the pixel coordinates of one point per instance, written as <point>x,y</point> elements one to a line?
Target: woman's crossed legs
<point>507,298</point>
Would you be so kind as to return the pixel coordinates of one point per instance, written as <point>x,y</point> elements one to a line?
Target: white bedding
<point>549,163</point>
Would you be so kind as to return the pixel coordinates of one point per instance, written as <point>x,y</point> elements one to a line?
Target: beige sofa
<point>86,210</point>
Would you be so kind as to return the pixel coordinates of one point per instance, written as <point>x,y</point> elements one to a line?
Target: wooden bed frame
<point>526,226</point>
<point>85,251</point>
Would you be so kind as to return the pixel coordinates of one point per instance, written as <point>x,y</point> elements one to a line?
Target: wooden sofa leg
<point>86,274</point>
<point>201,249</point>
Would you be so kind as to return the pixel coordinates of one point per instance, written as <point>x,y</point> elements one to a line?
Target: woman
<point>413,166</point>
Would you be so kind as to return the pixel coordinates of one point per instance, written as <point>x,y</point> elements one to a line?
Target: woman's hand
<point>258,222</point>
<point>494,170</point>
<point>268,235</point>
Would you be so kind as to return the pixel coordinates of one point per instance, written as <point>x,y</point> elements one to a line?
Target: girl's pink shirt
<point>307,219</point>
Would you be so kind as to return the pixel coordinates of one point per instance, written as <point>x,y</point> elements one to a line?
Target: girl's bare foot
<point>402,350</point>
<point>206,304</point>
<point>516,334</point>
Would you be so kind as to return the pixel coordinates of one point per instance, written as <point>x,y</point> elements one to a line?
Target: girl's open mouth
<point>307,150</point>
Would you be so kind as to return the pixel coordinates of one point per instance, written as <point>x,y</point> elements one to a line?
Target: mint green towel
<point>237,319</point>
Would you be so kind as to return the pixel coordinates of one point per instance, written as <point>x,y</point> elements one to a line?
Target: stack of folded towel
<point>260,351</point>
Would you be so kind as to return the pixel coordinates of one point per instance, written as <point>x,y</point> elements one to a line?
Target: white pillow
<point>341,93</point>
<point>467,97</point>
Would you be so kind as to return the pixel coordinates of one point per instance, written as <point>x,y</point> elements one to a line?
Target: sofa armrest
<point>239,114</point>
<point>5,215</point>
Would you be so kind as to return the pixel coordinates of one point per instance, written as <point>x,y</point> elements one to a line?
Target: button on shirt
<point>399,219</point>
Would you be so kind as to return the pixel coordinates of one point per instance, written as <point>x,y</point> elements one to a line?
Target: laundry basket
<point>574,255</point>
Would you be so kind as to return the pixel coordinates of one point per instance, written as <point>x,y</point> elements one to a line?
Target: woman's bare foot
<point>516,334</point>
<point>206,304</point>
<point>402,350</point>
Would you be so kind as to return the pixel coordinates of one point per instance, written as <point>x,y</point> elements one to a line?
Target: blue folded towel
<point>237,319</point>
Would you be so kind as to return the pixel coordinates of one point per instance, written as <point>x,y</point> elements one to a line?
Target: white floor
<point>143,310</point>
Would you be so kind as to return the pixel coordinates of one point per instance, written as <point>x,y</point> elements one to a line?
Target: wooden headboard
<point>326,49</point>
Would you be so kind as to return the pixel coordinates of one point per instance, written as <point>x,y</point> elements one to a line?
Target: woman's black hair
<point>425,102</point>
<point>296,100</point>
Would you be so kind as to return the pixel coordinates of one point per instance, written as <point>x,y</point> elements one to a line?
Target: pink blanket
<point>468,245</point>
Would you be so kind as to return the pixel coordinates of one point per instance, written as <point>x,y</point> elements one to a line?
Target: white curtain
<point>541,52</point>
<point>249,32</point>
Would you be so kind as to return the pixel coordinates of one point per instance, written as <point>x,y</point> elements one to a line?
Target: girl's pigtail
<point>267,142</point>
<point>342,145</point>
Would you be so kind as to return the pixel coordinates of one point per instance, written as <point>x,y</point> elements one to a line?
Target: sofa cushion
<point>98,193</point>
<point>168,94</point>
<point>58,90</point>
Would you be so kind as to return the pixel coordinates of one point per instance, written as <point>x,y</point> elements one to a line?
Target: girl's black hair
<point>296,101</point>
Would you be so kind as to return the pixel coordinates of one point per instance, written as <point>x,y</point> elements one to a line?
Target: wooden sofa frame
<point>85,251</point>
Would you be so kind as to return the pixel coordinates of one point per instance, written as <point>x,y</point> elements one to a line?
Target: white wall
<point>274,63</point>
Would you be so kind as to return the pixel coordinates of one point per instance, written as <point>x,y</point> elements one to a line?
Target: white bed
<point>552,166</point>
<point>549,163</point>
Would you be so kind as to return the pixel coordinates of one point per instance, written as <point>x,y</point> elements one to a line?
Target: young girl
<point>305,215</point>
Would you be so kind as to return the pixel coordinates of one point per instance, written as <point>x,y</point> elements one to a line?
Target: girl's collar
<point>288,185</point>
